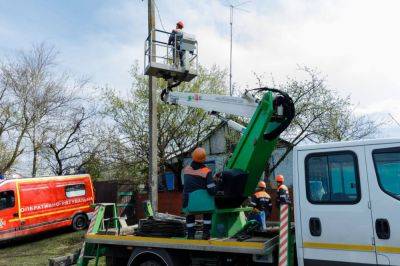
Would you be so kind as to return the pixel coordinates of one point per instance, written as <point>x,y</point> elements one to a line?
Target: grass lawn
<point>36,250</point>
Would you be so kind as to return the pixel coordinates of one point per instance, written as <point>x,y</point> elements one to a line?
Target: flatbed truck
<point>346,194</point>
<point>346,205</point>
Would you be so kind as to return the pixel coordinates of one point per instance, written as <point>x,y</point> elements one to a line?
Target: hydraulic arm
<point>270,116</point>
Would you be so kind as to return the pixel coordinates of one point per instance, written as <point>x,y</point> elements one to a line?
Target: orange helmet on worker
<point>279,179</point>
<point>262,184</point>
<point>199,155</point>
<point>180,25</point>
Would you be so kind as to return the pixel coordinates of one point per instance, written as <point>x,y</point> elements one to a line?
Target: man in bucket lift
<point>197,176</point>
<point>174,40</point>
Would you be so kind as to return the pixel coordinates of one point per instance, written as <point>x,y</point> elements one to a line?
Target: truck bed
<point>254,245</point>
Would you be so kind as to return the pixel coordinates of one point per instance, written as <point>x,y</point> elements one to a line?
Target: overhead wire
<point>159,16</point>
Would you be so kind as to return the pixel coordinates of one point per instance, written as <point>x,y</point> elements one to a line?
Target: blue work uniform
<point>175,41</point>
<point>261,201</point>
<point>197,176</point>
<point>283,196</point>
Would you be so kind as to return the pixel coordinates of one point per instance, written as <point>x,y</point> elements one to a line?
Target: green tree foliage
<point>179,128</point>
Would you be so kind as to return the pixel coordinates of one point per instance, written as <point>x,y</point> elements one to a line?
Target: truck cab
<point>8,210</point>
<point>347,203</point>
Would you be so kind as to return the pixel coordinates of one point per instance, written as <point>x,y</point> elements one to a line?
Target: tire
<point>79,222</point>
<point>116,261</point>
<point>150,257</point>
<point>150,262</point>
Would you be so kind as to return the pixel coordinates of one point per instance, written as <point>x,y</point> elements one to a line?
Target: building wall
<point>285,168</point>
<point>216,143</point>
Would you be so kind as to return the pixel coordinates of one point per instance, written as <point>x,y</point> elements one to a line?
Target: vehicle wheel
<point>151,263</point>
<point>79,222</point>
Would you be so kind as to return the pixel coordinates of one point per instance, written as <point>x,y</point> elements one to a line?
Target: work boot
<point>206,227</point>
<point>206,235</point>
<point>191,232</point>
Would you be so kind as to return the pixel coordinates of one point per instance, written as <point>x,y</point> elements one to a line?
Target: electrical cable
<point>159,16</point>
<point>288,111</point>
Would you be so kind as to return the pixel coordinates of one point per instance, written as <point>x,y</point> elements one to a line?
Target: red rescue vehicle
<point>32,205</point>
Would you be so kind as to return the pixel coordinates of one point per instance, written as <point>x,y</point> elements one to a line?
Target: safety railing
<point>159,49</point>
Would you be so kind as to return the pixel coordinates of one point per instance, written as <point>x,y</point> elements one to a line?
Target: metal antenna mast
<point>231,6</point>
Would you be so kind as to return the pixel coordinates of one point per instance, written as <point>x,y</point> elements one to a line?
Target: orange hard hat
<point>279,178</point>
<point>262,184</point>
<point>179,24</point>
<point>199,155</point>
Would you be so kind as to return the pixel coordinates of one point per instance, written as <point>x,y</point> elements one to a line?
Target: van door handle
<point>382,228</point>
<point>15,215</point>
<point>315,226</point>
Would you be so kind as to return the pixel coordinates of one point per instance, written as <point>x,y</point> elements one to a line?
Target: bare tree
<point>342,125</point>
<point>21,101</point>
<point>321,114</point>
<point>32,90</point>
<point>71,144</point>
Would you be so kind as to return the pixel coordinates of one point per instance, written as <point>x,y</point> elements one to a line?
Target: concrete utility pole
<point>153,131</point>
<point>230,52</point>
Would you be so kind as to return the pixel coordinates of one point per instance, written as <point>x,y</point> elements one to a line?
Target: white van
<point>347,203</point>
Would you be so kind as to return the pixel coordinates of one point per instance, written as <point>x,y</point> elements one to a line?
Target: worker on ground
<point>197,176</point>
<point>282,196</point>
<point>262,205</point>
<point>175,40</point>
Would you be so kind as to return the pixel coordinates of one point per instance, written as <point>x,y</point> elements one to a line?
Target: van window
<point>332,178</point>
<point>387,167</point>
<point>7,199</point>
<point>75,190</point>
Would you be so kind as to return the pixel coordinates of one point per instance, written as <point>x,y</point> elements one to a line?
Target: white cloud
<point>353,42</point>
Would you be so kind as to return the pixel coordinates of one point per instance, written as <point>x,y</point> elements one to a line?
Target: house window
<point>7,199</point>
<point>332,178</point>
<point>387,167</point>
<point>75,190</point>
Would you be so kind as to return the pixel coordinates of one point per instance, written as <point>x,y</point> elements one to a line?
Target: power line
<point>159,16</point>
<point>394,119</point>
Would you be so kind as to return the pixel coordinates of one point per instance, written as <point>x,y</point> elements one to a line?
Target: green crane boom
<point>269,117</point>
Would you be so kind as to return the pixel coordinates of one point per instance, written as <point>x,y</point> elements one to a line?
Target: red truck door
<point>9,220</point>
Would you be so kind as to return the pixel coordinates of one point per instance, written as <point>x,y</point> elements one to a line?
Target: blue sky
<point>353,42</point>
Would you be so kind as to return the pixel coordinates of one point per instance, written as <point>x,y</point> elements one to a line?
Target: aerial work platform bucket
<point>171,56</point>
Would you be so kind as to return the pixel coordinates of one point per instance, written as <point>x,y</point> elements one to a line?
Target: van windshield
<point>7,199</point>
<point>387,167</point>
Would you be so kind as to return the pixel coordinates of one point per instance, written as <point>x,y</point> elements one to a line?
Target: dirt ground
<point>36,250</point>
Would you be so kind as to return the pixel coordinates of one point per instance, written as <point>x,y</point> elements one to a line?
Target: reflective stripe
<point>190,225</point>
<point>211,185</point>
<point>206,221</point>
<point>262,194</point>
<point>338,246</point>
<point>202,172</point>
<point>283,187</point>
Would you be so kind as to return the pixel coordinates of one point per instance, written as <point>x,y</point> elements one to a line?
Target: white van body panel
<point>347,230</point>
<point>384,206</point>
